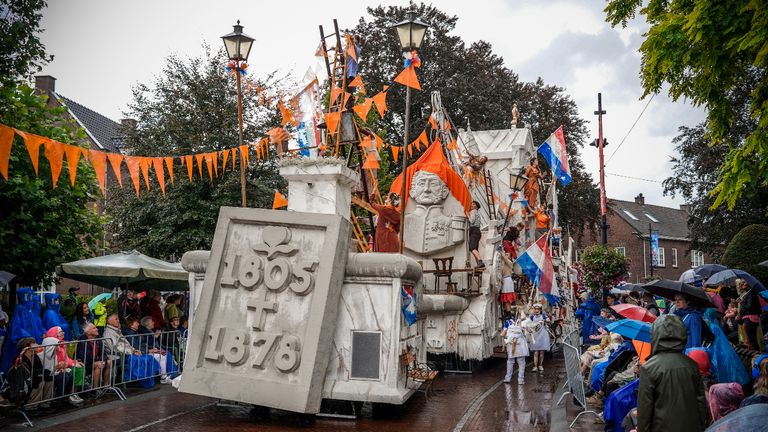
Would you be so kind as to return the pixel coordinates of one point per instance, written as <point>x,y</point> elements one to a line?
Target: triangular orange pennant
<point>371,162</point>
<point>199,158</point>
<point>357,82</point>
<point>6,142</point>
<point>432,122</point>
<point>279,201</point>
<point>132,162</point>
<point>351,49</point>
<point>332,120</point>
<point>224,157</point>
<point>73,158</point>
<point>379,142</point>
<point>335,93</point>
<point>169,165</point>
<point>234,156</point>
<point>422,139</point>
<point>366,142</point>
<point>209,164</point>
<point>362,109</point>
<point>215,157</point>
<point>287,114</point>
<point>408,78</point>
<point>380,99</point>
<point>244,156</point>
<point>98,160</point>
<point>188,162</point>
<point>157,164</point>
<point>410,149</point>
<point>346,99</point>
<point>33,143</point>
<point>115,160</point>
<point>144,163</point>
<point>55,155</point>
<point>395,152</point>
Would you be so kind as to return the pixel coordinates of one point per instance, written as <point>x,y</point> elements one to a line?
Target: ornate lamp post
<point>411,33</point>
<point>238,45</point>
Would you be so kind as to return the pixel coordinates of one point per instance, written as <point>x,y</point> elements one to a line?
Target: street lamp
<point>238,46</point>
<point>411,32</point>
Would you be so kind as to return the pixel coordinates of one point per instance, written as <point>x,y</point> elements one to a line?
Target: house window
<point>630,215</point>
<point>662,262</point>
<point>674,257</point>
<point>697,258</point>
<point>621,250</point>
<point>653,219</point>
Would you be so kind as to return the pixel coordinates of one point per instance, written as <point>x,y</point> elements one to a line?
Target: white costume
<point>517,351</point>
<point>540,336</point>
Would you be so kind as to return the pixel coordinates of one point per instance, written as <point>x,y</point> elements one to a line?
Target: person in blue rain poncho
<point>24,324</point>
<point>53,317</point>
<point>585,312</point>
<point>726,363</point>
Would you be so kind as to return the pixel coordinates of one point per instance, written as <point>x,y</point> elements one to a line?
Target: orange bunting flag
<point>346,99</point>
<point>132,163</point>
<point>169,165</point>
<point>215,157</point>
<point>33,143</point>
<point>351,48</point>
<point>357,82</point>
<point>408,78</point>
<point>199,158</point>
<point>422,139</point>
<point>371,162</point>
<point>98,160</point>
<point>362,109</point>
<point>187,160</point>
<point>115,160</point>
<point>432,122</point>
<point>410,149</point>
<point>224,157</point>
<point>379,142</point>
<point>73,158</point>
<point>380,99</point>
<point>234,156</point>
<point>335,93</point>
<point>395,152</point>
<point>332,120</point>
<point>286,114</point>
<point>279,201</point>
<point>144,163</point>
<point>366,142</point>
<point>244,156</point>
<point>209,163</point>
<point>55,155</point>
<point>6,141</point>
<point>157,164</point>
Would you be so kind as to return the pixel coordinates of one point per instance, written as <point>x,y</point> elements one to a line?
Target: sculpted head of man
<point>428,188</point>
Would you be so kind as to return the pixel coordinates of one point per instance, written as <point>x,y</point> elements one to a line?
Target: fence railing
<point>94,367</point>
<point>574,380</point>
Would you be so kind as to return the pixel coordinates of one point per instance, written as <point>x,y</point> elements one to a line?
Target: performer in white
<point>517,351</point>
<point>540,337</point>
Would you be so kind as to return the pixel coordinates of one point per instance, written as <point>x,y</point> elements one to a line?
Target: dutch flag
<point>553,151</point>
<point>536,263</point>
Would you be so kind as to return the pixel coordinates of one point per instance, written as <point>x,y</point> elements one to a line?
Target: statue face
<point>428,188</point>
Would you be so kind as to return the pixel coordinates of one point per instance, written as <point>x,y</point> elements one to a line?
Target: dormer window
<point>630,215</point>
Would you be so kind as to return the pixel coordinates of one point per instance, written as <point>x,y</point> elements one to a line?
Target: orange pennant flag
<point>422,139</point>
<point>410,149</point>
<point>132,162</point>
<point>380,99</point>
<point>244,156</point>
<point>234,156</point>
<point>332,120</point>
<point>371,162</point>
<point>395,152</point>
<point>33,143</point>
<point>351,48</point>
<point>6,142</point>
<point>215,158</point>
<point>98,160</point>
<point>357,82</point>
<point>188,162</point>
<point>144,163</point>
<point>224,157</point>
<point>199,158</point>
<point>55,155</point>
<point>157,164</point>
<point>362,109</point>
<point>115,160</point>
<point>366,142</point>
<point>346,99</point>
<point>73,158</point>
<point>279,201</point>
<point>335,93</point>
<point>432,122</point>
<point>169,165</point>
<point>209,163</point>
<point>287,114</point>
<point>379,142</point>
<point>408,78</point>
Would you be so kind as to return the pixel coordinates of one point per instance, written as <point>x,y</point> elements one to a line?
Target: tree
<point>601,268</point>
<point>21,52</point>
<point>43,226</point>
<point>474,85</point>
<point>703,50</point>
<point>191,107</point>
<point>747,250</point>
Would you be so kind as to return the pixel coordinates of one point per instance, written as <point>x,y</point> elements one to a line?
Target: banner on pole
<point>655,248</point>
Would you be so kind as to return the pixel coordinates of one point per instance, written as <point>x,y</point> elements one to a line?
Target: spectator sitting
<point>146,341</point>
<point>91,352</point>
<point>649,304</point>
<point>83,316</point>
<point>171,339</point>
<point>184,327</point>
<point>150,306</point>
<point>600,331</point>
<point>39,378</point>
<point>115,343</point>
<point>63,378</point>
<point>760,389</point>
<point>128,306</point>
<point>616,380</point>
<point>172,307</point>
<point>612,300</point>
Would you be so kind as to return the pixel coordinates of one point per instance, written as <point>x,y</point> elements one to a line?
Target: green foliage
<point>747,250</point>
<point>191,107</point>
<point>476,86</point>
<point>41,226</point>
<point>601,268</point>
<point>21,52</point>
<point>703,50</point>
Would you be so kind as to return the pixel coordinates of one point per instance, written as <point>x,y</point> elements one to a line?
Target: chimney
<point>640,199</point>
<point>45,83</point>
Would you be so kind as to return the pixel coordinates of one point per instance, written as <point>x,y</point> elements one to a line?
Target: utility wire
<point>634,178</point>
<point>630,129</point>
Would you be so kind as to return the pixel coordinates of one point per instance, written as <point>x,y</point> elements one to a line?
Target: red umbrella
<point>634,312</point>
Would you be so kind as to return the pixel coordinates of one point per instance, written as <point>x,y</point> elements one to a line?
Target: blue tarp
<point>618,405</point>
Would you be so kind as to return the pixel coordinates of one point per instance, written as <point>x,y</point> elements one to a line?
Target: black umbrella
<point>630,287</point>
<point>668,288</point>
<point>707,270</point>
<point>5,277</point>
<point>750,418</point>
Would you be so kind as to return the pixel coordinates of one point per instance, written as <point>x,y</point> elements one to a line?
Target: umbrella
<point>643,350</point>
<point>630,287</point>
<point>634,312</point>
<point>728,277</point>
<point>707,270</point>
<point>750,418</point>
<point>98,298</point>
<point>6,277</point>
<point>690,277</point>
<point>631,329</point>
<point>132,268</point>
<point>600,321</point>
<point>668,288</point>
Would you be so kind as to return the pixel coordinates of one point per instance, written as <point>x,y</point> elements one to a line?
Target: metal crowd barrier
<point>104,365</point>
<point>575,380</point>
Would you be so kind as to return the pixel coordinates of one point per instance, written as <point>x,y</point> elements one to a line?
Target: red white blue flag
<point>554,152</point>
<point>536,263</point>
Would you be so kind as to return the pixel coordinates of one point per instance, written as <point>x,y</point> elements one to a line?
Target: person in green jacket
<point>100,317</point>
<point>172,307</point>
<point>670,396</point>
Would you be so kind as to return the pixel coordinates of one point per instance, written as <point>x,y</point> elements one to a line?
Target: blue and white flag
<point>554,152</point>
<point>409,303</point>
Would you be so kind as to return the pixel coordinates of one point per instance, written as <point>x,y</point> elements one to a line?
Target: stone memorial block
<point>263,329</point>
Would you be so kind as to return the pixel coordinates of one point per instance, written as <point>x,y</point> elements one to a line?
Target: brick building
<point>629,225</point>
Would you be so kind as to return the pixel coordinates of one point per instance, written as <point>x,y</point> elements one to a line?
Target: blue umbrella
<point>750,418</point>
<point>707,270</point>
<point>690,277</point>
<point>631,329</point>
<point>98,298</point>
<point>728,277</point>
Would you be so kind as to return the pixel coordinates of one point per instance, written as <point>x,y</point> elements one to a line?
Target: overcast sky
<point>103,48</point>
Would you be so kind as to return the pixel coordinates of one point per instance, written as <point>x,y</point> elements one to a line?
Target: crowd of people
<point>690,374</point>
<point>48,357</point>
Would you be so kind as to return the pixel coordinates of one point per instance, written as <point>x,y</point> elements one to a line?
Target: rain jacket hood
<point>668,334</point>
<point>26,297</point>
<point>53,302</point>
